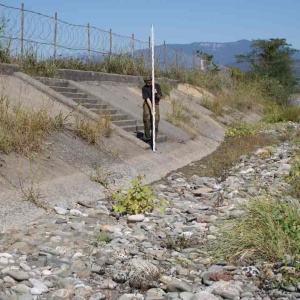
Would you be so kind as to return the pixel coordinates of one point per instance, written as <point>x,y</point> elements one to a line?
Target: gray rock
<point>78,226</point>
<point>143,273</point>
<point>60,210</point>
<point>50,250</point>
<point>155,294</point>
<point>18,275</point>
<point>38,287</point>
<point>22,288</point>
<point>131,297</point>
<point>186,295</point>
<point>25,297</point>
<point>176,285</point>
<point>225,290</point>
<point>136,218</point>
<point>204,296</point>
<point>97,296</point>
<point>120,276</point>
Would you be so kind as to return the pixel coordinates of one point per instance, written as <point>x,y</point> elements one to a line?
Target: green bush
<point>277,92</point>
<point>241,129</point>
<point>135,200</point>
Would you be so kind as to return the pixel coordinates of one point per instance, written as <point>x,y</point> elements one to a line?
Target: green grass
<point>282,113</point>
<point>214,105</point>
<point>269,230</point>
<point>181,117</point>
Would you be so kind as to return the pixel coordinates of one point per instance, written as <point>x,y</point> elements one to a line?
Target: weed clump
<point>135,200</point>
<point>181,117</point>
<point>24,131</point>
<point>92,131</point>
<point>242,130</point>
<point>269,230</point>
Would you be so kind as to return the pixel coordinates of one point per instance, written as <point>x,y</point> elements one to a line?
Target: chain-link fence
<point>49,38</point>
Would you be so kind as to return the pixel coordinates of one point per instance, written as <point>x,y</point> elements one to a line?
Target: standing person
<point>148,107</point>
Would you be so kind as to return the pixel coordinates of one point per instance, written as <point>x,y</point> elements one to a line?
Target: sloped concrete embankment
<point>62,172</point>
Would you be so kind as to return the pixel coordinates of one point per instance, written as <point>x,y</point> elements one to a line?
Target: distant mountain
<point>223,53</point>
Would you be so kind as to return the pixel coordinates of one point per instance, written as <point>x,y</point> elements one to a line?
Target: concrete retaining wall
<point>9,69</point>
<point>98,76</point>
<point>77,76</point>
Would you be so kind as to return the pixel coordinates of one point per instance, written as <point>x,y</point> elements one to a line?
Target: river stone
<point>97,296</point>
<point>186,295</point>
<point>204,296</point>
<point>131,297</point>
<point>25,297</point>
<point>22,288</point>
<point>38,287</point>
<point>176,285</point>
<point>143,273</point>
<point>155,294</point>
<point>225,290</point>
<point>136,218</point>
<point>6,255</point>
<point>64,293</point>
<point>50,250</point>
<point>60,210</point>
<point>18,275</point>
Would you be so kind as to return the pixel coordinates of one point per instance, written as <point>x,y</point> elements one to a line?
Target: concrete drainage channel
<point>120,119</point>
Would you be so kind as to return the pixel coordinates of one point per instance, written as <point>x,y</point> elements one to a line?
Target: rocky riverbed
<point>88,252</point>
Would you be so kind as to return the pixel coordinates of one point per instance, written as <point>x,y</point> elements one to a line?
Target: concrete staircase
<point>118,118</point>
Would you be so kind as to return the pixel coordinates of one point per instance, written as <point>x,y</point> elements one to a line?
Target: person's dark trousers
<point>147,118</point>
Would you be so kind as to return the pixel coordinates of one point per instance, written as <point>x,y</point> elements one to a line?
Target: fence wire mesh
<point>24,32</point>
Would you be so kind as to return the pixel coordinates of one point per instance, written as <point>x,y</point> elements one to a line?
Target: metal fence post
<point>132,46</point>
<point>55,36</point>
<point>176,59</point>
<point>165,56</point>
<point>193,62</point>
<point>182,58</point>
<point>110,44</point>
<point>22,29</point>
<point>89,42</point>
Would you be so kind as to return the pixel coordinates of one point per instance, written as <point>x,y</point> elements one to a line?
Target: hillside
<point>224,53</point>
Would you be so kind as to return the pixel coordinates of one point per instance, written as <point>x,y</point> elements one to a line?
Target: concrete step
<point>117,117</point>
<point>133,128</point>
<point>56,83</point>
<point>87,100</point>
<point>104,111</point>
<point>74,95</point>
<point>63,89</point>
<point>125,122</point>
<point>93,105</point>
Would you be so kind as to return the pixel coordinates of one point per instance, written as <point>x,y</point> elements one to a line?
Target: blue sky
<point>181,21</point>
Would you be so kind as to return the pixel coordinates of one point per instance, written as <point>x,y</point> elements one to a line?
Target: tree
<point>273,59</point>
<point>208,59</point>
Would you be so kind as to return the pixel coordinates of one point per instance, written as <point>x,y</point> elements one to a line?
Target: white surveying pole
<point>153,91</point>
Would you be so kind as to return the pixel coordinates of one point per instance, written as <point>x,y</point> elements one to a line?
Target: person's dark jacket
<point>147,92</point>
